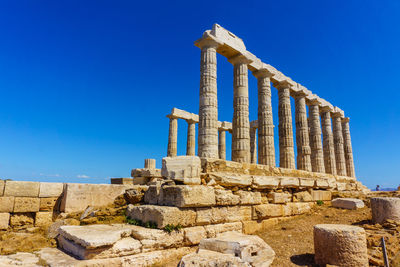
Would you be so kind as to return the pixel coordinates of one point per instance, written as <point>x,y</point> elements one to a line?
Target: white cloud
<point>82,176</point>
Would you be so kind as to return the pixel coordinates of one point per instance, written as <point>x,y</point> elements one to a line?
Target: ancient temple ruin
<point>329,154</point>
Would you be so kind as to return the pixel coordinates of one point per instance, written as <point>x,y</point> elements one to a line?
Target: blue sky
<point>85,85</point>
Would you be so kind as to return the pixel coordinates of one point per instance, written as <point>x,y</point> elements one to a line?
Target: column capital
<point>172,116</point>
<point>346,119</point>
<point>337,113</point>
<point>299,94</point>
<point>313,100</point>
<point>191,121</point>
<point>263,73</point>
<point>239,59</point>
<point>207,41</point>
<point>284,84</point>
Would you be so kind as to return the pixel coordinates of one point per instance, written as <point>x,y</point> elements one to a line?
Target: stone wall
<point>24,204</point>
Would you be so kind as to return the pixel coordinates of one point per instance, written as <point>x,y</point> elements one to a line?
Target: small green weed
<point>170,227</point>
<point>151,225</point>
<point>320,202</point>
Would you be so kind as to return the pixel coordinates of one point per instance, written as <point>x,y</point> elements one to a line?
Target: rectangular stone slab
<point>187,196</point>
<point>21,189</point>
<point>50,189</point>
<point>348,203</point>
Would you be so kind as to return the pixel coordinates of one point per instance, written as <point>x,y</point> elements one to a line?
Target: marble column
<point>266,147</point>
<point>317,154</point>
<point>348,150</point>
<point>191,138</point>
<point>253,145</point>
<point>173,136</point>
<point>339,144</point>
<point>302,133</point>
<point>328,145</point>
<point>208,108</point>
<point>286,146</point>
<point>240,122</point>
<point>222,144</point>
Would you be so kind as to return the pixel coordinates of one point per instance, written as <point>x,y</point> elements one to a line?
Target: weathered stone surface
<point>21,189</point>
<point>348,203</point>
<point>239,213</point>
<point>249,248</point>
<point>227,179</point>
<point>22,219</point>
<point>152,195</point>
<point>6,204</point>
<point>251,227</point>
<point>341,186</point>
<point>54,257</point>
<point>125,181</point>
<point>155,239</point>
<point>211,215</point>
<point>188,196</point>
<point>52,231</point>
<point>43,218</point>
<point>136,194</point>
<point>26,204</point>
<point>145,173</point>
<point>214,230</point>
<point>264,211</point>
<point>193,235</point>
<point>328,143</point>
<point>162,215</point>
<point>181,168</point>
<point>265,182</point>
<point>321,195</point>
<point>248,197</point>
<point>1,187</point>
<point>291,209</point>
<point>225,197</point>
<point>47,203</point>
<point>77,197</point>
<point>279,198</point>
<point>20,259</point>
<point>341,245</point>
<point>4,220</point>
<point>204,258</point>
<point>321,183</point>
<point>307,182</point>
<point>50,189</point>
<point>384,208</point>
<point>303,196</point>
<point>289,182</point>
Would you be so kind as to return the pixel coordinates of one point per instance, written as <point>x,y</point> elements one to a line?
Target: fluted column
<point>302,134</point>
<point>266,147</point>
<point>328,145</point>
<point>208,108</point>
<point>253,145</point>
<point>191,138</point>
<point>339,144</point>
<point>317,154</point>
<point>348,150</point>
<point>240,122</point>
<point>172,136</point>
<point>286,146</point>
<point>222,144</point>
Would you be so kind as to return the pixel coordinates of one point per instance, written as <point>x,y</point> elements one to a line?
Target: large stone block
<point>4,220</point>
<point>188,196</point>
<point>22,219</point>
<point>264,211</point>
<point>250,248</point>
<point>265,182</point>
<point>248,197</point>
<point>307,182</point>
<point>26,204</point>
<point>162,215</point>
<point>341,186</point>
<point>21,189</point>
<point>239,213</point>
<point>155,239</point>
<point>227,179</point>
<point>348,203</point>
<point>77,197</point>
<point>47,203</point>
<point>291,209</point>
<point>193,235</point>
<point>303,196</point>
<point>321,195</point>
<point>50,189</point>
<point>212,215</point>
<point>225,197</point>
<point>279,198</point>
<point>6,204</point>
<point>125,181</point>
<point>251,227</point>
<point>204,257</point>
<point>43,218</point>
<point>185,169</point>
<point>341,245</point>
<point>216,229</point>
<point>384,208</point>
<point>2,187</point>
<point>290,182</point>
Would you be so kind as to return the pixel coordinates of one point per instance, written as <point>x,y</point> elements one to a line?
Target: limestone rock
<point>303,196</point>
<point>214,230</point>
<point>1,187</point>
<point>53,230</point>
<point>384,208</point>
<point>188,196</point>
<point>226,179</point>
<point>321,195</point>
<point>43,218</point>
<point>193,235</point>
<point>4,220</point>
<point>21,189</point>
<point>307,182</point>
<point>267,211</point>
<point>50,189</point>
<point>225,197</point>
<point>152,194</point>
<point>265,182</point>
<point>206,258</point>
<point>341,245</point>
<point>22,219</point>
<point>181,168</point>
<point>248,197</point>
<point>6,204</point>
<point>47,203</point>
<point>321,183</point>
<point>155,239</point>
<point>211,215</point>
<point>26,204</point>
<point>279,198</point>
<point>162,215</point>
<point>348,203</point>
<point>57,258</point>
<point>20,259</point>
<point>135,195</point>
<point>289,182</point>
<point>251,249</point>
